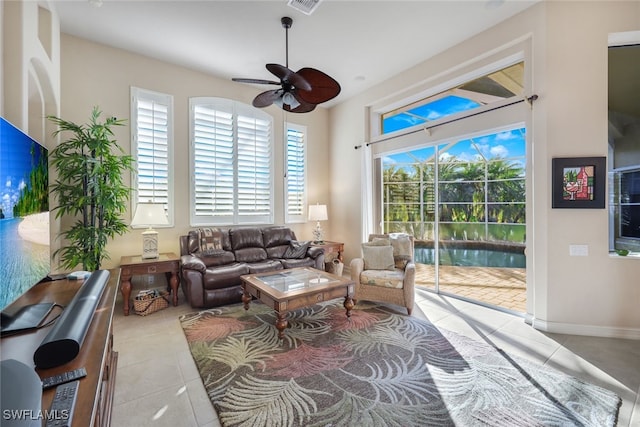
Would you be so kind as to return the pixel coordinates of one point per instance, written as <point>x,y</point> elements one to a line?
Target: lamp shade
<point>149,214</point>
<point>318,212</point>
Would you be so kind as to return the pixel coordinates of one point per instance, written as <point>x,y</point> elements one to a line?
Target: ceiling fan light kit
<point>299,91</point>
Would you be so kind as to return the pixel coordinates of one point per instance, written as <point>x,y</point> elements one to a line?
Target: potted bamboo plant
<point>89,188</point>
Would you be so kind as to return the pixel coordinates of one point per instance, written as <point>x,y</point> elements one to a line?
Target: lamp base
<point>317,234</point>
<point>150,244</point>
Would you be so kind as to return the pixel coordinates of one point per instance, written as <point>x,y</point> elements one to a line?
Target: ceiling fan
<point>300,91</point>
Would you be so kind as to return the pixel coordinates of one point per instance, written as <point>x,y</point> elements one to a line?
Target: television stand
<point>96,355</point>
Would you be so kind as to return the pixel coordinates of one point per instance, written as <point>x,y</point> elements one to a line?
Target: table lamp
<point>318,213</point>
<point>148,215</point>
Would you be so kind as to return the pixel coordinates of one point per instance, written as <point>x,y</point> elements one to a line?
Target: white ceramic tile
<point>164,408</point>
<point>156,370</point>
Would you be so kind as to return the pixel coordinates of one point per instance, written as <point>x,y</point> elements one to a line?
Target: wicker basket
<point>147,303</point>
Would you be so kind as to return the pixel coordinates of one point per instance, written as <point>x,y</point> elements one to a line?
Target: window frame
<point>443,83</point>
<point>234,109</point>
<point>302,216</point>
<point>138,94</point>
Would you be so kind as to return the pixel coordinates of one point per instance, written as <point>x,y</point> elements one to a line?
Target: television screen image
<point>24,215</point>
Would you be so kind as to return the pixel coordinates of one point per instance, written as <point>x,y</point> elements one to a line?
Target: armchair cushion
<point>296,249</point>
<point>377,257</point>
<point>385,278</point>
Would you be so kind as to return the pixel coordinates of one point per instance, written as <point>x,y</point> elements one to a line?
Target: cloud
<point>388,160</point>
<point>499,151</point>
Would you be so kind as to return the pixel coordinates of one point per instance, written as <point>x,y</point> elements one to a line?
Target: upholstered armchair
<point>386,272</point>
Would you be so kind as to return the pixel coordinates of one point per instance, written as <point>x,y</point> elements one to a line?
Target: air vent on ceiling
<point>305,6</point>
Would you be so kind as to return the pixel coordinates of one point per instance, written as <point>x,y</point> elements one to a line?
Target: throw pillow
<point>401,244</point>
<point>210,242</point>
<point>297,249</point>
<point>377,257</point>
<point>379,241</point>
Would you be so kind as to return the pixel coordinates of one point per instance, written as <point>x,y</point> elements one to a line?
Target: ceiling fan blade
<point>266,98</point>
<point>323,86</point>
<point>256,81</point>
<point>288,76</point>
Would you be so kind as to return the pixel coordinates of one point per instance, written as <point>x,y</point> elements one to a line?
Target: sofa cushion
<point>295,262</point>
<point>221,258</point>
<point>264,266</point>
<point>277,252</point>
<point>246,238</point>
<point>251,254</point>
<point>297,249</point>
<point>277,236</point>
<point>224,276</point>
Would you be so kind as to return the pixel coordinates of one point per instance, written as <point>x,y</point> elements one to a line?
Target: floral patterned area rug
<point>377,369</point>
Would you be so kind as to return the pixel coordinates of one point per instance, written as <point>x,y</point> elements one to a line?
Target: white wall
<point>94,74</point>
<point>594,295</point>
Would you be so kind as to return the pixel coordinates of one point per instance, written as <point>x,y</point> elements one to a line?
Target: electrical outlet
<point>150,279</point>
<point>578,250</point>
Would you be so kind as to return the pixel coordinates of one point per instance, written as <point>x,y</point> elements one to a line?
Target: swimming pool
<point>471,257</point>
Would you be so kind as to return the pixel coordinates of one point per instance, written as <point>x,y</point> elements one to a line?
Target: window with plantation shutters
<point>296,176</point>
<point>152,145</point>
<point>232,163</point>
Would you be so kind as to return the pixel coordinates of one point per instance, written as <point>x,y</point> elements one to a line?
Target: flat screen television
<point>24,225</point>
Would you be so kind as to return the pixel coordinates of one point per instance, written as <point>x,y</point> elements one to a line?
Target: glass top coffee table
<point>288,290</point>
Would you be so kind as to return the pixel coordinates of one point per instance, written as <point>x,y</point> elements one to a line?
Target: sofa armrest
<point>315,251</point>
<point>191,262</point>
<point>356,267</point>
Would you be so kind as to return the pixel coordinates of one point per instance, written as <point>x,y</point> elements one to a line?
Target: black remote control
<point>62,378</point>
<point>64,402</point>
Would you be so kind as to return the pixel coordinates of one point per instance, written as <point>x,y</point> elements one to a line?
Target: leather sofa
<point>212,279</point>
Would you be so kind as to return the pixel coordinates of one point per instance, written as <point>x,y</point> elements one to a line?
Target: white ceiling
<point>359,43</point>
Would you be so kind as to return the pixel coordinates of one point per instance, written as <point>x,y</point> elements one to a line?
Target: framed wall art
<point>578,182</point>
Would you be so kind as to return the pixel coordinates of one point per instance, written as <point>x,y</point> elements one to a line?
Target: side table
<point>168,263</point>
<point>331,247</point>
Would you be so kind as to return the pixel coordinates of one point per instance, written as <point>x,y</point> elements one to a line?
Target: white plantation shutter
<point>254,168</point>
<point>152,145</point>
<point>296,180</point>
<point>232,163</point>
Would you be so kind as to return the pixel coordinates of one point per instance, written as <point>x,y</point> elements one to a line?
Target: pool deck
<point>502,287</point>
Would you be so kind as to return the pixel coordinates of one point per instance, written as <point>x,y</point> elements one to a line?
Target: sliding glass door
<point>464,203</point>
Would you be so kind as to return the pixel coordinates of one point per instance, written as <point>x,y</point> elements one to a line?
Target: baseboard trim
<point>588,330</point>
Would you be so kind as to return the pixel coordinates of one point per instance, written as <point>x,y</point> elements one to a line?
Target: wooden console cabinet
<point>95,395</point>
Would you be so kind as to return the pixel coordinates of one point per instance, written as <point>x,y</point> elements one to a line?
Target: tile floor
<point>157,383</point>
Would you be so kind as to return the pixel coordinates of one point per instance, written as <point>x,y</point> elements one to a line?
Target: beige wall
<point>94,74</point>
<point>594,295</point>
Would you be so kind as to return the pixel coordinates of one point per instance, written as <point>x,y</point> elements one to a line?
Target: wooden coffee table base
<point>285,301</point>
<point>281,321</point>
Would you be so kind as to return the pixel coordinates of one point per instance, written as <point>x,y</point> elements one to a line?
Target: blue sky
<point>16,162</point>
<point>428,112</point>
<point>508,144</point>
